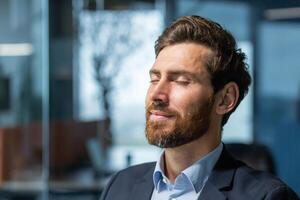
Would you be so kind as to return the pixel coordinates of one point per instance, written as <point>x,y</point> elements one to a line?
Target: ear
<point>227,98</point>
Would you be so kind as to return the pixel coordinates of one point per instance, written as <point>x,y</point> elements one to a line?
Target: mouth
<point>157,115</point>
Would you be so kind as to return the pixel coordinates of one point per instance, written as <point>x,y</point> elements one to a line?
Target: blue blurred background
<point>74,74</point>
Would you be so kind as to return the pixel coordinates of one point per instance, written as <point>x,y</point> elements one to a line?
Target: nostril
<point>159,103</point>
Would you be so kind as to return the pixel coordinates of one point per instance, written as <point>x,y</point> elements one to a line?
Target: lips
<point>156,115</point>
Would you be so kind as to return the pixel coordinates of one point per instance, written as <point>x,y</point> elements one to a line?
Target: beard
<point>181,130</point>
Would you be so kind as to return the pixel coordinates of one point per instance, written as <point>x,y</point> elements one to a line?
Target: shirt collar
<point>193,177</point>
<point>158,174</point>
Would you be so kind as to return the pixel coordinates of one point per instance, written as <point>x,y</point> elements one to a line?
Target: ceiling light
<point>16,49</point>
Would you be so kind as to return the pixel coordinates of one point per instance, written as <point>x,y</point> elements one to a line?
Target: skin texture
<point>181,97</point>
<point>181,89</point>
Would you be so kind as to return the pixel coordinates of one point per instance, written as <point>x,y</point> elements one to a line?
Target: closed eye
<point>154,81</point>
<point>182,82</point>
<point>154,78</point>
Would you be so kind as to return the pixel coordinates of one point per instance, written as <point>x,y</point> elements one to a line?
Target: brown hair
<point>227,63</point>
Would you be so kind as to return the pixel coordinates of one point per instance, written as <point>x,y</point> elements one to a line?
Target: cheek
<point>183,101</point>
<point>186,102</point>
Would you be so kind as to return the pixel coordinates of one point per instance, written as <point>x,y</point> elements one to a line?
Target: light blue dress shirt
<point>189,183</point>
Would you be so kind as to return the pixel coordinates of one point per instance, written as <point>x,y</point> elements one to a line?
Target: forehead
<point>184,56</point>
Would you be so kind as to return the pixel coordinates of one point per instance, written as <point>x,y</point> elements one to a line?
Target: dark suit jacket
<point>230,179</point>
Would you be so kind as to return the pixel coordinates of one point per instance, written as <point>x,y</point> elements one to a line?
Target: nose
<point>159,92</point>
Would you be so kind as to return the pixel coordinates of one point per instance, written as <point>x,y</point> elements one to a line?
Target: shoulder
<point>256,183</point>
<point>244,173</point>
<point>122,183</point>
<point>238,181</point>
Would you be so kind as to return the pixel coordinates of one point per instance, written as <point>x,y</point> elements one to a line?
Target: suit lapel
<point>221,178</point>
<point>143,188</point>
<point>210,192</point>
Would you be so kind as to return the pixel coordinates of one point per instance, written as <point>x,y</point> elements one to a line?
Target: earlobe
<point>227,98</point>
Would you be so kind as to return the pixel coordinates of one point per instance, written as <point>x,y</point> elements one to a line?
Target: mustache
<point>160,107</point>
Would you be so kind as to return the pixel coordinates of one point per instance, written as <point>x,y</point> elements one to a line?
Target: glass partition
<point>278,114</point>
<point>97,121</point>
<point>23,69</point>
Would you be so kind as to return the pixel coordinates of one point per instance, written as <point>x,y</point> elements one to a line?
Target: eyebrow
<point>154,71</point>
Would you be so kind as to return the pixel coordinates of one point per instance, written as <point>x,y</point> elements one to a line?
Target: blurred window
<point>278,95</point>
<point>116,50</point>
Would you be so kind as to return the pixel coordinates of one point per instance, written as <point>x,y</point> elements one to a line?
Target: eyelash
<point>153,81</point>
<point>182,82</point>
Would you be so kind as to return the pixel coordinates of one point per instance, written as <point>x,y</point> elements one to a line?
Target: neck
<point>179,158</point>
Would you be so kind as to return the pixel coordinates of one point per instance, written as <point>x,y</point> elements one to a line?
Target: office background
<point>74,74</point>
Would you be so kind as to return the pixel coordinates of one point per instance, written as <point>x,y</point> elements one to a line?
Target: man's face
<point>180,97</point>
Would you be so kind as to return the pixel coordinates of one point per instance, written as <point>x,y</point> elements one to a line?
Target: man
<point>198,79</point>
